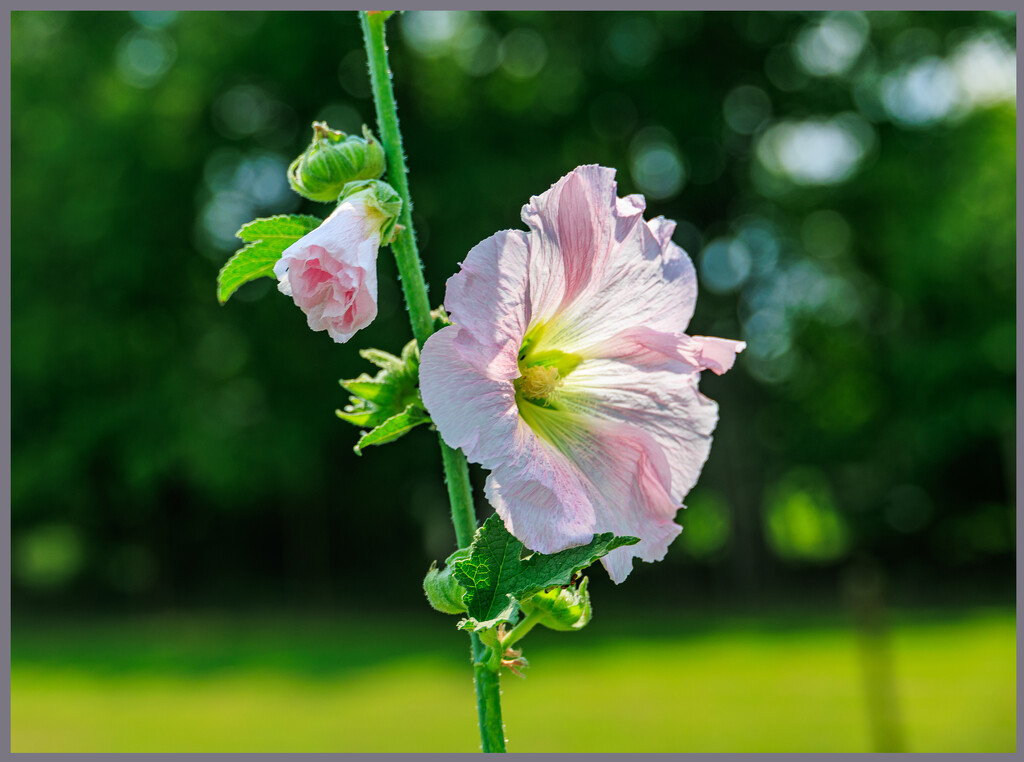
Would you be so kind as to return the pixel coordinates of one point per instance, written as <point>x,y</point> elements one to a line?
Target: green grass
<point>729,685</point>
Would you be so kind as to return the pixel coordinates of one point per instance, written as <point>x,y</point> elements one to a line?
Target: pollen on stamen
<point>538,382</point>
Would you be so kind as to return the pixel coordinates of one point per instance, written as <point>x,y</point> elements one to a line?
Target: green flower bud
<point>560,608</point>
<point>443,592</point>
<point>333,159</point>
<point>380,198</point>
<point>440,318</point>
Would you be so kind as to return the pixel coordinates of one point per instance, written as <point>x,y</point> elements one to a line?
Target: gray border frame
<point>574,5</point>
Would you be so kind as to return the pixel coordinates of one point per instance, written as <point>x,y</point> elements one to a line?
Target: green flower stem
<point>519,631</point>
<point>410,270</point>
<point>488,699</point>
<point>460,494</point>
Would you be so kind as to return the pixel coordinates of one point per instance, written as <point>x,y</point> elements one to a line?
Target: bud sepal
<point>389,403</point>
<point>381,200</point>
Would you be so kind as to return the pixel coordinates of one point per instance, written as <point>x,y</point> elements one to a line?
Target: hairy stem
<point>410,270</point>
<point>460,494</point>
<point>488,700</point>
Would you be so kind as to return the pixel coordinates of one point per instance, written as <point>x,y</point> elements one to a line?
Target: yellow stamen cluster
<point>538,382</point>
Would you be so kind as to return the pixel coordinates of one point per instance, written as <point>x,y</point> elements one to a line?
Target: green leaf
<point>506,611</point>
<point>256,260</point>
<point>393,428</point>
<point>267,238</point>
<point>280,227</point>
<point>495,575</point>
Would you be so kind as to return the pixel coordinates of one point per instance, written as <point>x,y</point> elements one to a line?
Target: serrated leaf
<point>506,612</point>
<point>495,572</point>
<point>256,260</point>
<point>267,239</point>
<point>280,226</point>
<point>394,427</point>
<point>543,571</point>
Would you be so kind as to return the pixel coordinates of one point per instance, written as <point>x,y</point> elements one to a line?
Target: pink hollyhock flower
<point>566,372</point>
<point>331,273</point>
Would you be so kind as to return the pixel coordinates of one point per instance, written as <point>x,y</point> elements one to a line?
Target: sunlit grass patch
<point>735,686</point>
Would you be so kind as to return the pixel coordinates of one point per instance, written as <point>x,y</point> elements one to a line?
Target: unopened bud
<point>443,592</point>
<point>440,318</point>
<point>560,608</point>
<point>334,159</point>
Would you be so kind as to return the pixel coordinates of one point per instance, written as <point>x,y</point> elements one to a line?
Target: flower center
<point>542,369</point>
<point>538,382</point>
<point>540,396</point>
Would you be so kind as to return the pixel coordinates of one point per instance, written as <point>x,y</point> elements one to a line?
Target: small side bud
<point>443,592</point>
<point>440,318</point>
<point>334,159</point>
<point>560,608</point>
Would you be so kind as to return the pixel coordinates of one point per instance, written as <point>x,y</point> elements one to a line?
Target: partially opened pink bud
<point>331,273</point>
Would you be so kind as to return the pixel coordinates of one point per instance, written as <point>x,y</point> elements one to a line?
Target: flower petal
<point>486,299</point>
<point>539,495</point>
<point>603,477</point>
<point>570,230</point>
<point>717,355</point>
<point>472,412</point>
<point>633,488</point>
<point>596,266</point>
<point>648,348</point>
<point>651,397</point>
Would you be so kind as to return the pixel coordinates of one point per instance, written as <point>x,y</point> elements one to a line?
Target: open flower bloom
<point>566,372</point>
<point>331,273</point>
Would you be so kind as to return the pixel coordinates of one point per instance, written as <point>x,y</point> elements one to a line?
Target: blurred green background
<point>200,562</point>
